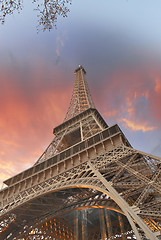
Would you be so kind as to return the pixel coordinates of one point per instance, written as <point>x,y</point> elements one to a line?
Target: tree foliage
<point>8,7</point>
<point>48,11</point>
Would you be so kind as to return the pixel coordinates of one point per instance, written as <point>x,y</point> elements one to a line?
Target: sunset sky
<point>119,45</point>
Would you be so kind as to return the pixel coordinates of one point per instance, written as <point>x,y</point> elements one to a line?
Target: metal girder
<point>92,179</point>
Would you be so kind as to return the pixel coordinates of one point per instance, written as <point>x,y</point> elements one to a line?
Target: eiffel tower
<point>89,184</point>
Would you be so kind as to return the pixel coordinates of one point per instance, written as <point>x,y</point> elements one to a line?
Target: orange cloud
<point>9,143</point>
<point>110,113</point>
<point>157,85</point>
<point>137,126</point>
<point>134,96</point>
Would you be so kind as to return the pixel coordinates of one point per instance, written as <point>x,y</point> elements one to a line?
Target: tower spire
<point>82,119</point>
<point>81,99</point>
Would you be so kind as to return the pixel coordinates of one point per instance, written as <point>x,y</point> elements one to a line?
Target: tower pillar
<point>102,224</point>
<point>108,224</point>
<point>84,225</point>
<point>76,227</point>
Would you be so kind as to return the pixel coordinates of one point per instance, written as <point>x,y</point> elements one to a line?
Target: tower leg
<point>121,223</point>
<point>129,212</point>
<point>76,229</point>
<point>102,224</point>
<point>84,225</point>
<point>108,224</point>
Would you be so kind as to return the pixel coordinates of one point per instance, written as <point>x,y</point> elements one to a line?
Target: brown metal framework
<point>88,167</point>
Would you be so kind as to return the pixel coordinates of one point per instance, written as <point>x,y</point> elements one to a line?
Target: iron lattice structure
<point>89,184</point>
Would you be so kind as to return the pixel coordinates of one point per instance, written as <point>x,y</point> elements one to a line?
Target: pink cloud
<point>28,115</point>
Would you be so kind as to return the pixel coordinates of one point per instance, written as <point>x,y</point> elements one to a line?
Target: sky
<point>118,42</point>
